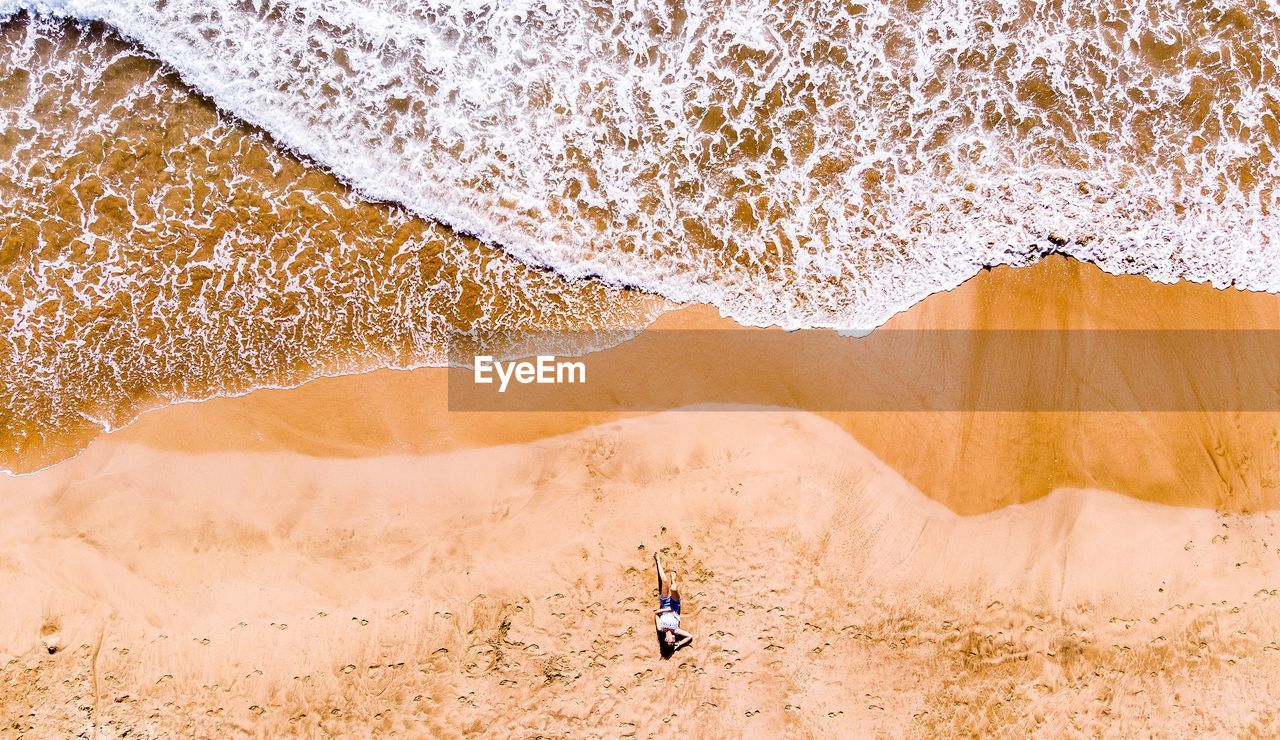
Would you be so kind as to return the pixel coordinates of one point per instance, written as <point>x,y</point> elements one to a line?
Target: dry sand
<point>344,559</point>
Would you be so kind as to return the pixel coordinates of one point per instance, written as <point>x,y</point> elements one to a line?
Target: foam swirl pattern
<point>811,163</point>
<point>153,250</point>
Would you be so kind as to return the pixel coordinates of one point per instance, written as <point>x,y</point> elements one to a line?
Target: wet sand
<point>347,557</point>
<point>972,462</point>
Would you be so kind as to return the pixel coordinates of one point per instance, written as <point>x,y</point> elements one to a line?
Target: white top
<point>668,621</point>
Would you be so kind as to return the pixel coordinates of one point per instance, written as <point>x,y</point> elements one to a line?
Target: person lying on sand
<point>667,617</point>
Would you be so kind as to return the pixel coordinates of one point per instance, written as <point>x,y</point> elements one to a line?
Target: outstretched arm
<point>685,638</point>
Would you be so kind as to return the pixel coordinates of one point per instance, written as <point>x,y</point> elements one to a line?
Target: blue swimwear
<point>666,602</point>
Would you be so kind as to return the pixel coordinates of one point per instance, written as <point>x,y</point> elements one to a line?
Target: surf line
<point>546,369</point>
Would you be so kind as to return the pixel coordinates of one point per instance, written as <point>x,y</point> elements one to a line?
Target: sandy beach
<point>934,346</point>
<point>349,557</point>
<point>971,462</point>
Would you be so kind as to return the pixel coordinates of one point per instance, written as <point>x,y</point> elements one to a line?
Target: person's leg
<point>674,591</point>
<point>664,588</point>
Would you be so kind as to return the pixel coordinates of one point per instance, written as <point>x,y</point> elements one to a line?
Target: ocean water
<point>154,250</point>
<point>800,163</point>
<point>341,185</point>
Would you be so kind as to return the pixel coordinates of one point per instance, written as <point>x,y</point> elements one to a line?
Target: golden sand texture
<point>153,250</point>
<point>970,461</point>
<point>345,557</point>
<point>981,461</point>
<point>509,591</point>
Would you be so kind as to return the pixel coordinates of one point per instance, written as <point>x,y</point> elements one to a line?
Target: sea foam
<point>153,251</point>
<point>794,163</point>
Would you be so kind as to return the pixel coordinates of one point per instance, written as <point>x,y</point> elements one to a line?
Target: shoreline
<point>971,461</point>
<point>364,370</point>
<point>347,555</point>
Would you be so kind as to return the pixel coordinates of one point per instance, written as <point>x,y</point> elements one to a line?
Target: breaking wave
<point>153,251</point>
<point>810,163</point>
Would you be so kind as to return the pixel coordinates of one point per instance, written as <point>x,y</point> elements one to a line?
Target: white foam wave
<point>152,251</point>
<point>800,163</point>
